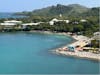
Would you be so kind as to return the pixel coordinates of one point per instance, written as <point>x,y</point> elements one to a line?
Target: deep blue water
<point>30,53</point>
<point>10,15</point>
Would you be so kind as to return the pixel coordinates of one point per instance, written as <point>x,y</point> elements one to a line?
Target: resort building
<point>75,22</point>
<point>67,21</point>
<point>11,24</point>
<point>56,20</point>
<point>83,20</point>
<point>7,25</point>
<point>13,21</point>
<point>30,24</point>
<point>53,20</point>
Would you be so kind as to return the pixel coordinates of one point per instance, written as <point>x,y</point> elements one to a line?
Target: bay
<point>30,53</point>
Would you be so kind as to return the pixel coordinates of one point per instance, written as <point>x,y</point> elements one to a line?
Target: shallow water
<point>30,53</point>
<point>10,15</point>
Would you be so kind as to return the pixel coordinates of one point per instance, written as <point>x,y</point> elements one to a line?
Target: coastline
<point>58,33</point>
<point>78,54</point>
<point>27,45</point>
<point>83,54</point>
<point>50,32</point>
<point>86,55</point>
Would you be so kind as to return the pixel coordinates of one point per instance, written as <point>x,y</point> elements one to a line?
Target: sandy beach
<point>87,55</point>
<point>82,41</point>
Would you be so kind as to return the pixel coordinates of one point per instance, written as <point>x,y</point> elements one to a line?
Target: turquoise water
<point>29,53</point>
<point>10,15</point>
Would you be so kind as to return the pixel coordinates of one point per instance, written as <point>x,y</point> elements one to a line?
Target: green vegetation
<point>95,43</point>
<point>86,28</point>
<point>73,10</point>
<point>73,13</point>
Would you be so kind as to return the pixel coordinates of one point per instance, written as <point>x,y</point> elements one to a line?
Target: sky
<point>29,5</point>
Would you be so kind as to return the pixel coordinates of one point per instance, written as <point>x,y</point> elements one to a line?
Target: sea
<point>5,15</point>
<point>31,53</point>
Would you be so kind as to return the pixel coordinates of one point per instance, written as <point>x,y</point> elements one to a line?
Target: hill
<point>69,10</point>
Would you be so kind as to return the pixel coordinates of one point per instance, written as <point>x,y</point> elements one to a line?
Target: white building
<point>75,22</point>
<point>7,25</point>
<point>83,20</point>
<point>67,21</point>
<point>13,21</point>
<point>31,24</point>
<point>56,20</point>
<point>10,24</point>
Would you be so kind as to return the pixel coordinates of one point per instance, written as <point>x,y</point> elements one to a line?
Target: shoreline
<point>76,40</point>
<point>86,55</point>
<point>58,33</point>
<point>50,32</point>
<point>77,55</point>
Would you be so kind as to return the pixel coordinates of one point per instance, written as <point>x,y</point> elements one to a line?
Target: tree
<point>78,28</point>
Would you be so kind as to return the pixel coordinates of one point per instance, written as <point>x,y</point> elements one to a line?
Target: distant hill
<point>69,10</point>
<point>92,12</point>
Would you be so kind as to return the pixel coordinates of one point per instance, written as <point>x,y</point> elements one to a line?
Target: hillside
<point>69,10</point>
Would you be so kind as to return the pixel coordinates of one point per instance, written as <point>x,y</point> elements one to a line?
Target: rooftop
<point>7,24</point>
<point>12,21</point>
